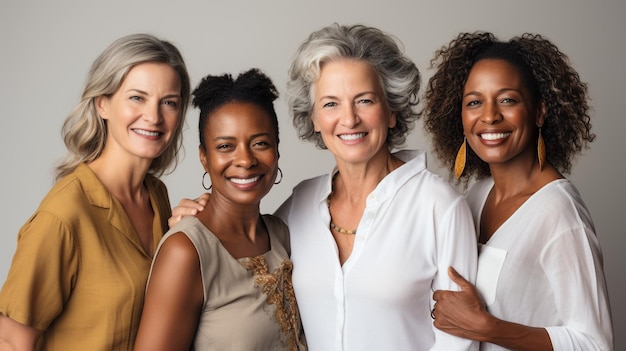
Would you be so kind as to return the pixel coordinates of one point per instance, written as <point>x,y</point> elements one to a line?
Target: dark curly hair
<point>548,75</point>
<point>252,86</point>
<point>399,76</point>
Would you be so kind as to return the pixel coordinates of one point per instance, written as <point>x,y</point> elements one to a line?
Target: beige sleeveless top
<point>249,303</point>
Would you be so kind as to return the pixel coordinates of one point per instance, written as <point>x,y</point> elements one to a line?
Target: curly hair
<point>546,72</point>
<point>252,86</point>
<point>399,76</point>
<point>85,133</point>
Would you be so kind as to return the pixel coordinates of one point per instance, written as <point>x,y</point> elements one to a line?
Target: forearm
<point>8,345</point>
<point>16,337</point>
<point>514,336</point>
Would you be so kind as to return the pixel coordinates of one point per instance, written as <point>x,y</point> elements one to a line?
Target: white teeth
<point>244,181</point>
<point>351,136</point>
<point>494,136</point>
<point>146,132</point>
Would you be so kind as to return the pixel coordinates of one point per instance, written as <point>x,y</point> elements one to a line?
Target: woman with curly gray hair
<point>371,240</point>
<point>519,112</point>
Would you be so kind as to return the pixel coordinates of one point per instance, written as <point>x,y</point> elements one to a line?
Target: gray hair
<point>399,76</point>
<point>84,132</point>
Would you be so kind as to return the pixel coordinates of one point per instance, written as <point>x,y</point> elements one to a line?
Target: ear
<point>203,159</point>
<point>102,106</point>
<point>392,120</point>
<point>316,126</point>
<point>541,114</point>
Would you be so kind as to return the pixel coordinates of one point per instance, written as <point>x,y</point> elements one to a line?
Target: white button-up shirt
<point>415,225</point>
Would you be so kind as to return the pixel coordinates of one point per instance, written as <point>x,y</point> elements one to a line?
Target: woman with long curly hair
<point>510,116</point>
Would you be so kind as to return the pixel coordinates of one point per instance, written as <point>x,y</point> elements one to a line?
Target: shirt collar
<point>415,162</point>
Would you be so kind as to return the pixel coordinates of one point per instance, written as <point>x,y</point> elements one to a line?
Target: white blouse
<point>543,268</point>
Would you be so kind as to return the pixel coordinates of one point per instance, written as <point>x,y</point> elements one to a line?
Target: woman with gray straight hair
<point>78,276</point>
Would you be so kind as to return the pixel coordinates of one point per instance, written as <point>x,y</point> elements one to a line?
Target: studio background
<point>47,47</point>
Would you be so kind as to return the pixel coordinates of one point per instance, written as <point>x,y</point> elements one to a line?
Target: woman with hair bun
<point>221,279</point>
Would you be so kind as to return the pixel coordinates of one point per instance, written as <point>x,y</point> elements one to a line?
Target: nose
<point>491,114</point>
<point>153,113</point>
<point>244,157</point>
<point>349,116</point>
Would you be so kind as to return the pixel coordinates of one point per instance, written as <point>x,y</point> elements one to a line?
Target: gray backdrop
<point>48,46</point>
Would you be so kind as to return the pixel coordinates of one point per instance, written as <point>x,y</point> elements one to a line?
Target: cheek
<point>270,159</point>
<point>172,118</point>
<point>323,125</point>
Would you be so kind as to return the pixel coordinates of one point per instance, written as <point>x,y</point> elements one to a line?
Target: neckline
<point>515,213</point>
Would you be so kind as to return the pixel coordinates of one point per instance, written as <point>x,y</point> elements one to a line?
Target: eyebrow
<point>473,92</point>
<point>227,137</point>
<point>333,97</point>
<point>139,91</point>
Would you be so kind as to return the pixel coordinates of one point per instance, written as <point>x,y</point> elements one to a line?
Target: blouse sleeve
<point>573,264</point>
<point>456,247</point>
<point>42,273</point>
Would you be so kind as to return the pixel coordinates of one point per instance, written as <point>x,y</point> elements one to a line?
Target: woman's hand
<point>460,313</point>
<point>463,313</point>
<point>188,207</point>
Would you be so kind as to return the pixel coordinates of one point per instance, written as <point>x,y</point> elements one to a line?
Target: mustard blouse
<point>79,271</point>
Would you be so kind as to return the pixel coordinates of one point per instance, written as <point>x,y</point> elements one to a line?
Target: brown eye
<point>508,101</point>
<point>171,103</point>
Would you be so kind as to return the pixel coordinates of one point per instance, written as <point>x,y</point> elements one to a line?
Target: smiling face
<point>350,111</point>
<point>240,152</point>
<point>500,118</point>
<point>142,115</point>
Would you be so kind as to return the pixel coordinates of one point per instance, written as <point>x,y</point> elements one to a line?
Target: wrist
<point>486,327</point>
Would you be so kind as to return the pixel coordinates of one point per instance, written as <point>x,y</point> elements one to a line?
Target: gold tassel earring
<point>541,151</point>
<point>459,162</point>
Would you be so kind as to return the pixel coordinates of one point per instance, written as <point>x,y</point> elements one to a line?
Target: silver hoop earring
<point>281,176</point>
<point>204,186</point>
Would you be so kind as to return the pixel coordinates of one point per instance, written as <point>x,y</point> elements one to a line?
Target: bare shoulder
<point>176,275</point>
<point>177,250</point>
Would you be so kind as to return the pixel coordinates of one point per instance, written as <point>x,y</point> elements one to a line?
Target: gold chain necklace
<point>333,225</point>
<point>341,230</point>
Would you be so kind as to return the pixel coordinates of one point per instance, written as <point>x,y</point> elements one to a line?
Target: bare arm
<point>15,336</point>
<point>174,298</point>
<point>463,313</point>
<point>188,207</point>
